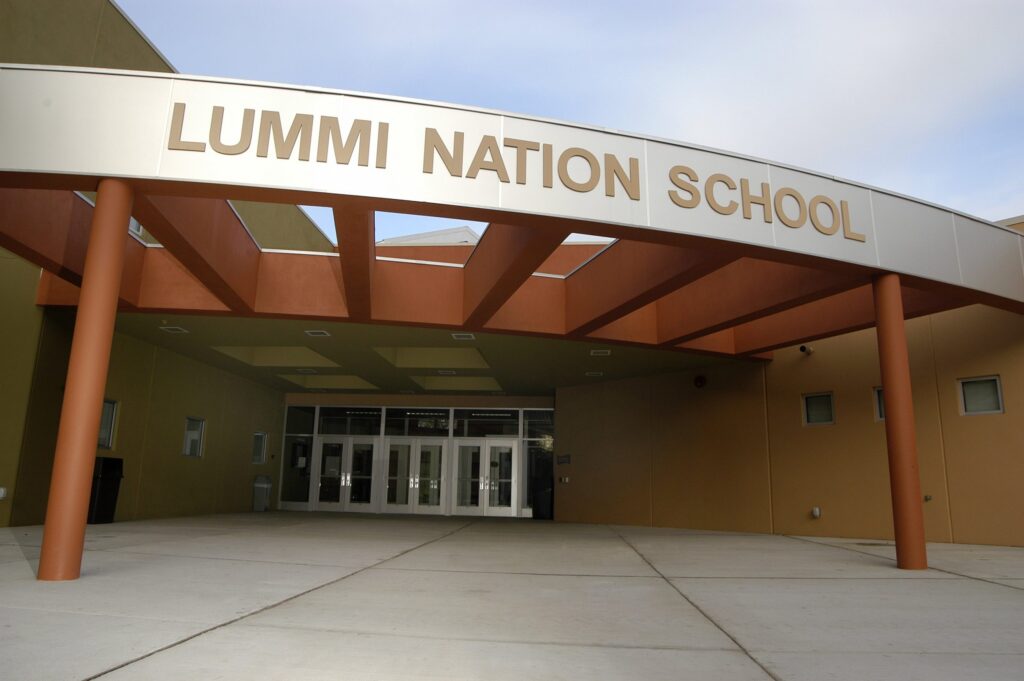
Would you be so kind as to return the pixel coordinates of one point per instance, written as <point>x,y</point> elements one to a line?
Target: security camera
<point>806,349</point>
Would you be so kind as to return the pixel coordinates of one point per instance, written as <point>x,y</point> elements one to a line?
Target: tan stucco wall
<point>984,453</point>
<point>156,390</point>
<point>22,321</point>
<point>658,451</point>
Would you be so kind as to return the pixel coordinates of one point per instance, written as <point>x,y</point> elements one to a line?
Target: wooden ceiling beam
<point>501,263</point>
<point>742,291</point>
<point>356,231</point>
<point>628,275</point>
<point>210,240</point>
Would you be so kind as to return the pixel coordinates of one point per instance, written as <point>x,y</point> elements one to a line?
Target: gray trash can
<point>261,488</point>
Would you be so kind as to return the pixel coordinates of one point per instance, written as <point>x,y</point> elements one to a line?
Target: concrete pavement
<point>322,596</point>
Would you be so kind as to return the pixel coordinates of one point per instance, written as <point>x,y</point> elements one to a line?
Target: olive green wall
<point>80,33</point>
<point>18,342</point>
<point>43,417</point>
<point>735,455</point>
<point>156,390</point>
<point>276,225</point>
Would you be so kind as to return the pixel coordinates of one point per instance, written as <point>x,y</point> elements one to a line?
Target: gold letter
<point>545,152</point>
<point>764,200</point>
<point>848,232</point>
<point>382,145</point>
<point>330,134</point>
<point>675,176</point>
<point>709,193</point>
<point>812,210</point>
<point>488,147</point>
<point>801,217</point>
<point>244,140</point>
<point>301,131</point>
<point>177,122</point>
<point>563,169</point>
<point>452,161</point>
<point>613,170</point>
<point>521,147</point>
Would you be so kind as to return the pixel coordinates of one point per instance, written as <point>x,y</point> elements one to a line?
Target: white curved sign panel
<point>180,128</point>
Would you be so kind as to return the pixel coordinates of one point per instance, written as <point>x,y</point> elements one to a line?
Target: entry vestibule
<point>412,460</point>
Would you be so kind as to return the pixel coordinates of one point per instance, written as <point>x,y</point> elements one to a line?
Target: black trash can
<point>542,484</point>
<point>106,481</point>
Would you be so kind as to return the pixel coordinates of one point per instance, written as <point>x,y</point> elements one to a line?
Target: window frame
<point>803,408</point>
<point>262,459</point>
<point>202,437</point>
<point>960,382</point>
<point>109,444</point>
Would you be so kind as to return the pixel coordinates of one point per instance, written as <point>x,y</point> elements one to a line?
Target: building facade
<point>381,416</point>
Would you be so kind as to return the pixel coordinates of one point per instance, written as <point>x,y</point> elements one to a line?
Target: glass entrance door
<point>429,489</point>
<point>416,473</point>
<point>343,474</point>
<point>485,480</point>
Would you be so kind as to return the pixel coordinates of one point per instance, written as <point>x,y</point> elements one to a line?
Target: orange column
<point>70,486</point>
<point>900,435</point>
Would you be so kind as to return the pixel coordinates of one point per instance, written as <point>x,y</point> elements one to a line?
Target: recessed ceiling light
<point>600,353</point>
<point>594,374</point>
<point>305,371</point>
<point>446,372</point>
<point>173,329</point>
<point>317,332</point>
<point>463,336</point>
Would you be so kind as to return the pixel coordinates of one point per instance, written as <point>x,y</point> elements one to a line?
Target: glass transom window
<point>484,422</point>
<point>350,420</point>
<point>416,421</point>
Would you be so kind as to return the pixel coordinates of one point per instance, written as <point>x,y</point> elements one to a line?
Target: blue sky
<point>922,98</point>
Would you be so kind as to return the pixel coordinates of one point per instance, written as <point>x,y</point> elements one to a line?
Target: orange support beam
<point>851,310</point>
<point>627,276</point>
<point>900,435</point>
<point>75,457</point>
<point>741,291</point>
<point>357,248</point>
<point>503,260</point>
<point>210,240</point>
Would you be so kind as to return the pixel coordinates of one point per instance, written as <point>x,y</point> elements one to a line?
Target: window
<point>879,404</point>
<point>982,395</point>
<point>818,410</point>
<point>194,429</point>
<point>484,422</point>
<point>300,420</point>
<point>349,421</point>
<point>539,423</point>
<point>259,448</point>
<point>417,421</point>
<point>106,439</point>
